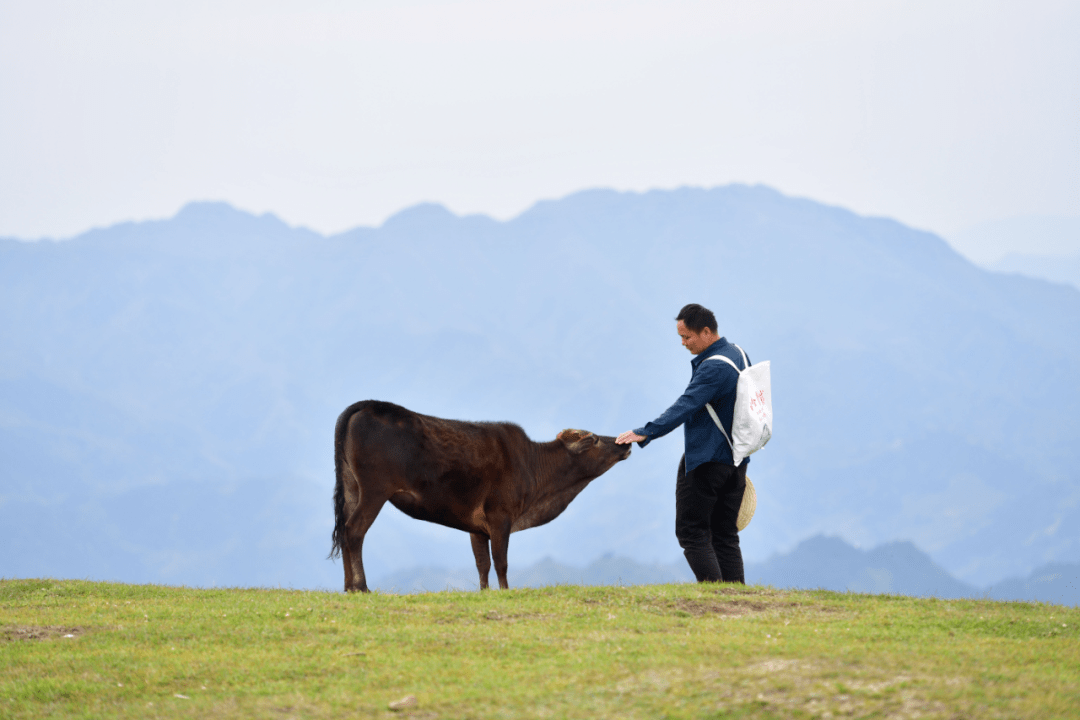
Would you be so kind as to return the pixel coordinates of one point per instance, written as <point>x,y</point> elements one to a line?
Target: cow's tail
<point>338,536</point>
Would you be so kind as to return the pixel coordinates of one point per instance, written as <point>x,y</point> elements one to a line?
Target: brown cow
<point>487,479</point>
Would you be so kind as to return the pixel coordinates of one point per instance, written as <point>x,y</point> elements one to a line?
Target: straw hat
<point>749,505</point>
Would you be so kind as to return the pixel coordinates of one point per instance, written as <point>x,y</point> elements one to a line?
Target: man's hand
<point>629,437</point>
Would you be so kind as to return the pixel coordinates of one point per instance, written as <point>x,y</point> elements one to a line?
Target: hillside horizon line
<point>204,210</point>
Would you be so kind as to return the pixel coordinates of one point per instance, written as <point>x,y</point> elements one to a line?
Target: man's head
<point>697,328</point>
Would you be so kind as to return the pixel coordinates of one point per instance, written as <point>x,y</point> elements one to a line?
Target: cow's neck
<point>556,483</point>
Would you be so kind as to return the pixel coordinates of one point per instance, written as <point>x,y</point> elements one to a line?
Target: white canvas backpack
<point>751,425</point>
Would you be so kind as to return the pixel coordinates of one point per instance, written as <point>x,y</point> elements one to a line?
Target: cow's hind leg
<point>346,561</point>
<point>356,528</point>
<point>500,541</point>
<point>483,557</point>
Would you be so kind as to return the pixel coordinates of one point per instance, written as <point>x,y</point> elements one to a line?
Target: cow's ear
<point>577,441</point>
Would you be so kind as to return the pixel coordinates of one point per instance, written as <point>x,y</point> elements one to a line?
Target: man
<point>709,488</point>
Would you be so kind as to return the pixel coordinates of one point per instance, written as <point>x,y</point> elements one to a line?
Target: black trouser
<point>707,502</point>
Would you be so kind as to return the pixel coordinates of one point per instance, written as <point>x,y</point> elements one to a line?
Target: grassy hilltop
<point>84,649</point>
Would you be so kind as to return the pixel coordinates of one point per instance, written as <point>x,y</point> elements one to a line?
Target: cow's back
<point>388,438</point>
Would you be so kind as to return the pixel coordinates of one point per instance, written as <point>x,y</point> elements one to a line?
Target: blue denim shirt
<point>712,382</point>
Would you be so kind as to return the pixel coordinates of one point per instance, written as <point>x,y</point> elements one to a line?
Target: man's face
<point>695,342</point>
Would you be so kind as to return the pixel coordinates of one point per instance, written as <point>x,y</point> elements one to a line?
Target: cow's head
<point>594,454</point>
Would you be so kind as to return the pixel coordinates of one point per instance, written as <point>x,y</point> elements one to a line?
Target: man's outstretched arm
<point>703,385</point>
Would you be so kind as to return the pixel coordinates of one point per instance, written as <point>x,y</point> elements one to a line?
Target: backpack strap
<point>709,407</point>
<point>745,362</point>
<point>716,419</point>
<point>728,360</point>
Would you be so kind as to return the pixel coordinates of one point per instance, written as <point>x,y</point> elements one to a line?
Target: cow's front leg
<point>483,557</point>
<point>500,541</point>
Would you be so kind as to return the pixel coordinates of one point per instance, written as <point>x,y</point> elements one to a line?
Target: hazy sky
<point>943,115</point>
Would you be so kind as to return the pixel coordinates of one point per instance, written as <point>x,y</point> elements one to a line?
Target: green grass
<point>664,651</point>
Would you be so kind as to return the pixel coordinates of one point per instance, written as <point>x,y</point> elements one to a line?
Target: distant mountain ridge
<point>1054,268</point>
<point>168,389</point>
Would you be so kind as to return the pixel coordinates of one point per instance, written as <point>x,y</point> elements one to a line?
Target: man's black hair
<point>697,318</point>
